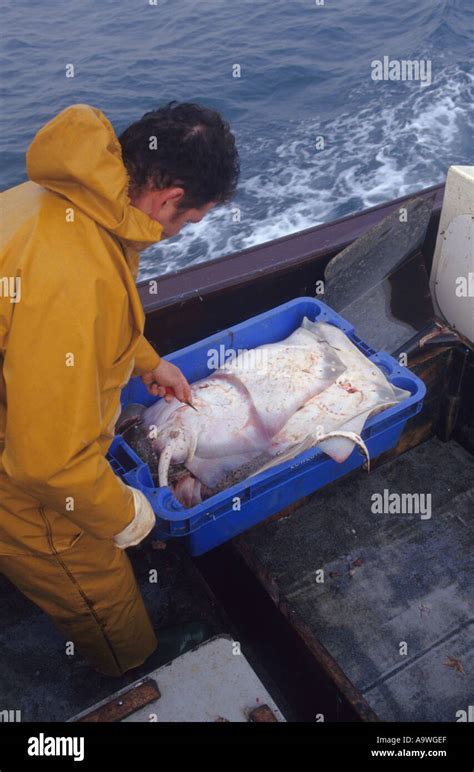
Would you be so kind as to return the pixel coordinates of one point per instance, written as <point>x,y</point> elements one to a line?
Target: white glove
<point>141,524</point>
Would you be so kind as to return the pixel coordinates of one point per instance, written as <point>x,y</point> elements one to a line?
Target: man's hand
<point>168,375</point>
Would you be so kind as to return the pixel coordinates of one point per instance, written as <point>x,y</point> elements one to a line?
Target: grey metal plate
<point>388,579</point>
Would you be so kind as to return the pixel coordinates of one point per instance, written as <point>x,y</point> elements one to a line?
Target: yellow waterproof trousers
<point>90,592</point>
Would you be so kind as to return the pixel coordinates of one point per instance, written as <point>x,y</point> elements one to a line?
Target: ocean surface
<point>305,73</point>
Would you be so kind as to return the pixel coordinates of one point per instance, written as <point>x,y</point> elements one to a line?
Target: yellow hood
<point>77,155</point>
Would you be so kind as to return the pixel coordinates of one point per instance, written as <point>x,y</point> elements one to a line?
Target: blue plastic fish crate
<point>242,506</point>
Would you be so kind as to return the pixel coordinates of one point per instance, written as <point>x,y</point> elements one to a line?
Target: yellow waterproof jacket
<point>71,334</point>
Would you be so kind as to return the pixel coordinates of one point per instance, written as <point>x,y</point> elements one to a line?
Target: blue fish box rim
<point>247,503</point>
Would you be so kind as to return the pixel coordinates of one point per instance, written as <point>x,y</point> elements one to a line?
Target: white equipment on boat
<point>452,274</point>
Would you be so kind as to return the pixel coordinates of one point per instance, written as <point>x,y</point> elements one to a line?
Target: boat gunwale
<point>257,262</point>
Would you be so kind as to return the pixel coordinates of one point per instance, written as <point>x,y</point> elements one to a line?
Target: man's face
<point>163,206</point>
<point>172,221</point>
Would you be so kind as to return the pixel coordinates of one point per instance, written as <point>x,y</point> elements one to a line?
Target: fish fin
<point>310,326</point>
<point>286,455</point>
<point>399,393</point>
<point>348,352</point>
<point>353,358</point>
<point>351,438</point>
<point>192,447</point>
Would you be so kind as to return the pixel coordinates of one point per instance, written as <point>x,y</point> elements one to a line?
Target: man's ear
<point>161,197</point>
<point>175,195</point>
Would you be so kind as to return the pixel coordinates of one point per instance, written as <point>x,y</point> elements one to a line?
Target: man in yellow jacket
<point>71,335</point>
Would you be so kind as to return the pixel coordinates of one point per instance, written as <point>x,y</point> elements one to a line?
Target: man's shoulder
<point>44,232</point>
<point>18,206</point>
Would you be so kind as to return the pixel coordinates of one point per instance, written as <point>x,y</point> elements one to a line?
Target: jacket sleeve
<point>58,409</point>
<point>146,358</point>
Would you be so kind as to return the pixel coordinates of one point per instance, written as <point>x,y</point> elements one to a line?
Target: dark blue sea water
<point>305,73</point>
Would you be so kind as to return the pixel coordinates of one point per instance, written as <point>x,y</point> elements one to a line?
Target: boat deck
<point>388,579</point>
<point>38,679</point>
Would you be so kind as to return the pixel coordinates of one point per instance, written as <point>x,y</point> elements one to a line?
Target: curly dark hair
<point>195,149</point>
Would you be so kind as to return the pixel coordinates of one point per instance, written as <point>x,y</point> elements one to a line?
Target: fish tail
<point>164,465</point>
<point>353,437</point>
